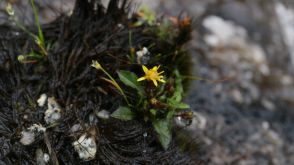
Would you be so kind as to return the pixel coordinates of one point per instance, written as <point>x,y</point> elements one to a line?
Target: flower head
<point>96,64</point>
<point>9,9</point>
<point>152,75</point>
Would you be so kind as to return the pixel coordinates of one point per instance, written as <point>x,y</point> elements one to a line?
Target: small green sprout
<point>32,57</point>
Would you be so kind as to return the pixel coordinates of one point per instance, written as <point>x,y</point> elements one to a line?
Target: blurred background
<point>245,116</point>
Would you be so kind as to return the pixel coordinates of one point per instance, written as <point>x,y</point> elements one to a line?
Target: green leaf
<point>153,112</point>
<point>179,91</point>
<point>163,129</point>
<point>172,102</point>
<point>182,106</point>
<point>175,102</point>
<point>36,14</point>
<point>170,115</point>
<point>130,79</point>
<point>123,113</point>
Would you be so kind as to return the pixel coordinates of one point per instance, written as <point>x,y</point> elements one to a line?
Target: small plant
<point>33,56</point>
<point>157,103</point>
<point>156,98</point>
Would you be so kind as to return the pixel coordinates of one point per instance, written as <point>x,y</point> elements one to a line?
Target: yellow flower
<point>96,64</point>
<point>9,9</point>
<point>152,75</point>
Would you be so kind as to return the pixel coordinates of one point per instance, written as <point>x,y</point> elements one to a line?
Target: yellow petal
<point>155,68</point>
<point>155,83</point>
<point>161,80</point>
<point>145,69</point>
<point>141,79</point>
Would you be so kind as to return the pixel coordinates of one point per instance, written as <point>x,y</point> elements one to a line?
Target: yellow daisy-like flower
<point>152,75</point>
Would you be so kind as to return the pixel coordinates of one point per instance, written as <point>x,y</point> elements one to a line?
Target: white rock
<point>75,128</point>
<point>234,44</point>
<point>286,19</point>
<point>121,26</point>
<point>265,125</point>
<point>28,135</point>
<point>46,158</point>
<point>237,96</point>
<point>222,32</point>
<point>268,104</point>
<point>103,114</point>
<point>142,55</point>
<point>53,113</point>
<point>42,100</point>
<point>86,147</point>
<point>37,127</point>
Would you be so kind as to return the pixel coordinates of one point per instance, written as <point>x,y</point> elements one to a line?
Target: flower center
<point>152,75</point>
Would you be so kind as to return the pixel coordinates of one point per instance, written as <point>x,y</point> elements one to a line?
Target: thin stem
<point>116,85</point>
<point>40,32</point>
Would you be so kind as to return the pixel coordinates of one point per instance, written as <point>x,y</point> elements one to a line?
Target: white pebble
<point>75,128</point>
<point>46,158</point>
<point>42,100</point>
<point>28,135</point>
<point>53,113</point>
<point>103,114</point>
<point>142,55</point>
<point>86,147</point>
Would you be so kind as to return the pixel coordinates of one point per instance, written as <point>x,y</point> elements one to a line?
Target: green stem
<point>24,28</point>
<point>40,32</point>
<point>117,86</point>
